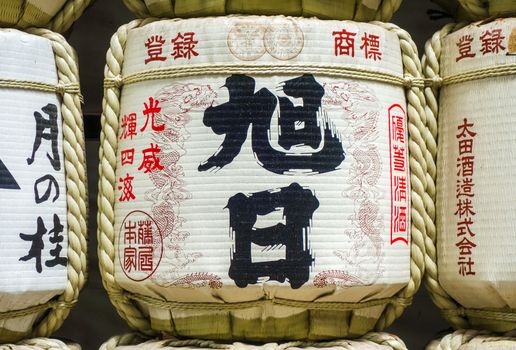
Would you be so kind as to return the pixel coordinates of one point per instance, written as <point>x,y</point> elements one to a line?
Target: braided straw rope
<point>431,71</point>
<point>421,162</point>
<point>40,344</point>
<point>70,12</point>
<point>461,337</point>
<point>450,309</point>
<point>384,12</point>
<point>76,191</point>
<point>136,340</point>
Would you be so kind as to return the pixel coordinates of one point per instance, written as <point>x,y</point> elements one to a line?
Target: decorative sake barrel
<point>473,340</point>
<point>42,183</point>
<point>40,344</point>
<point>468,10</point>
<point>254,178</point>
<point>358,10</point>
<point>471,267</point>
<point>57,15</point>
<point>370,341</point>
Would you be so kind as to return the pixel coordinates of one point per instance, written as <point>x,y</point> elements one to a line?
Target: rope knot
<point>114,82</point>
<point>61,88</point>
<point>434,82</point>
<point>410,81</point>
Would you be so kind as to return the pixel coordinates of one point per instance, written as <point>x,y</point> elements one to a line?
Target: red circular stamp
<point>140,246</point>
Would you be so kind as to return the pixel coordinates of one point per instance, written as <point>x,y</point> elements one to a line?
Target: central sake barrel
<point>261,186</point>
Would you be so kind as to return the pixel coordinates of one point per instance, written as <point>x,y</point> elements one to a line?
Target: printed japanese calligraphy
<point>142,245</point>
<point>298,207</point>
<point>299,127</point>
<point>36,239</point>
<point>475,177</point>
<point>259,181</point>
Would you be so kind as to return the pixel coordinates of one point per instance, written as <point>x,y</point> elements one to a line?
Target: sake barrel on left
<point>42,183</point>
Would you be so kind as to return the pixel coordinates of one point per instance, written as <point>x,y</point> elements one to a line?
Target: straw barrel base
<point>357,10</point>
<point>370,341</point>
<point>473,10</point>
<point>56,15</point>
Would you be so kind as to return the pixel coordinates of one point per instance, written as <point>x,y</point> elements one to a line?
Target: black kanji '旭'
<point>298,126</point>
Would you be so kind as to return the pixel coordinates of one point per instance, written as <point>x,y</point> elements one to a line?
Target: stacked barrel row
<point>42,173</point>
<point>471,94</point>
<point>263,176</point>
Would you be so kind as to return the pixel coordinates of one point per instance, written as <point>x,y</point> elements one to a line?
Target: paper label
<point>32,186</point>
<point>475,168</point>
<point>281,180</point>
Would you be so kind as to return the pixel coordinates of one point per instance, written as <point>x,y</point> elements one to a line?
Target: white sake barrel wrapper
<point>476,240</point>
<point>357,10</point>
<point>42,190</point>
<point>57,15</point>
<point>261,185</point>
<point>370,341</point>
<point>474,340</point>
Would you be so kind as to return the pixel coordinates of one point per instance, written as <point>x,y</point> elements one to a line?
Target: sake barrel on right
<point>476,162</point>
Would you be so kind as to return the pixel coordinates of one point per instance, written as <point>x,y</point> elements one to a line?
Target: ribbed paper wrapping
<point>473,340</point>
<point>254,177</point>
<point>476,267</point>
<point>57,15</point>
<point>358,10</point>
<point>370,341</point>
<point>42,183</point>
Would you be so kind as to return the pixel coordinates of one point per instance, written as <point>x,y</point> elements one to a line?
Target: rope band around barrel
<point>59,88</point>
<point>332,71</point>
<point>477,74</point>
<point>339,306</point>
<point>53,305</point>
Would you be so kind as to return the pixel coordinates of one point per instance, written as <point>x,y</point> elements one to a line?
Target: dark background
<point>93,320</point>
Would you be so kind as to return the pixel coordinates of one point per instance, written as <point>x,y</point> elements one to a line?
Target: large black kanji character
<point>299,126</point>
<point>232,118</point>
<point>51,135</point>
<point>298,206</point>
<point>51,182</point>
<point>37,244</point>
<point>56,239</point>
